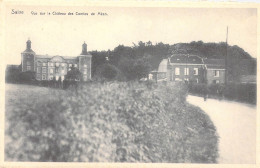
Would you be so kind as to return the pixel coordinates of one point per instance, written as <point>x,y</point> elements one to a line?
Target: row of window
<point>56,64</point>
<point>44,70</point>
<point>44,76</point>
<point>186,71</point>
<point>195,71</point>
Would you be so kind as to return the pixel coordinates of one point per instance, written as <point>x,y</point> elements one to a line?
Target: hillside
<point>210,50</point>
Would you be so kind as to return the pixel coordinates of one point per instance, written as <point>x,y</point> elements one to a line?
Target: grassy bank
<point>110,122</point>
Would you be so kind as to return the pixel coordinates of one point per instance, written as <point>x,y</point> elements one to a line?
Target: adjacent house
<point>49,67</point>
<point>215,70</point>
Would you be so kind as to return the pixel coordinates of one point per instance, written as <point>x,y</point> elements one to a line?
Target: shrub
<point>107,72</point>
<point>243,92</point>
<point>111,122</point>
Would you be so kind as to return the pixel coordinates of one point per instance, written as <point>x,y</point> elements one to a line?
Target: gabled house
<point>190,69</point>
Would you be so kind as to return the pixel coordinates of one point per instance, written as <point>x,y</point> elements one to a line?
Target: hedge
<point>110,122</point>
<point>242,92</point>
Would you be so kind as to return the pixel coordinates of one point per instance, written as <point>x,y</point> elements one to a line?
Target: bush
<point>108,72</point>
<point>242,92</point>
<point>111,122</point>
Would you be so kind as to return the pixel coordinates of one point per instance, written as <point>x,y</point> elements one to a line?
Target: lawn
<point>109,122</point>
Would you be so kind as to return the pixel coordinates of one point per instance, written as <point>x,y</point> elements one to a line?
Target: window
<point>57,77</point>
<point>85,65</point>
<point>150,76</point>
<point>70,65</point>
<point>196,71</point>
<point>186,71</point>
<point>43,64</point>
<point>43,77</point>
<point>38,69</point>
<point>62,71</point>
<point>43,69</point>
<point>51,70</point>
<point>178,79</point>
<point>62,64</point>
<point>76,65</point>
<point>51,77</point>
<point>186,79</point>
<point>69,69</point>
<point>177,71</point>
<point>28,68</point>
<point>216,73</point>
<point>62,78</point>
<point>57,64</point>
<point>28,63</point>
<point>197,80</point>
<point>85,72</point>
<point>50,64</point>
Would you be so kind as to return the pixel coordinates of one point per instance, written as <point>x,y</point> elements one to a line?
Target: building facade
<point>49,67</point>
<point>190,69</point>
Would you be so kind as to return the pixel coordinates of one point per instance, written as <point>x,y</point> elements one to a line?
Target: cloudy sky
<point>64,35</point>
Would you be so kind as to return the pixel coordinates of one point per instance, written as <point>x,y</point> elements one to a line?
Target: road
<point>236,127</point>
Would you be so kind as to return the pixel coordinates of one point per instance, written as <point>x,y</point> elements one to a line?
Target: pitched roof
<point>185,59</point>
<point>214,61</point>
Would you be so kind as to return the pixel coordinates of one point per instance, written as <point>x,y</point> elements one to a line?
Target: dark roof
<point>185,59</point>
<point>216,66</point>
<point>29,50</point>
<point>214,61</point>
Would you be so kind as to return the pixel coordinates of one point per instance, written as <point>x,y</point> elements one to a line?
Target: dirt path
<point>236,126</point>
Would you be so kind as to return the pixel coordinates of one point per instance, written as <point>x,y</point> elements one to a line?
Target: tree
<point>27,77</point>
<point>108,72</point>
<point>73,75</point>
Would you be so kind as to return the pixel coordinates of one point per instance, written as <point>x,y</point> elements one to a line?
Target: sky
<point>64,35</point>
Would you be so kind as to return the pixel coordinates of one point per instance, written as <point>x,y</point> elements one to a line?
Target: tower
<point>84,49</point>
<point>28,58</point>
<point>85,63</point>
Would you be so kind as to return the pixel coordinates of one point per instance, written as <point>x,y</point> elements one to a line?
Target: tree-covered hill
<point>135,62</point>
<point>210,50</point>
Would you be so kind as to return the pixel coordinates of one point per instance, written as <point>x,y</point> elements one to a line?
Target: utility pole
<point>226,58</point>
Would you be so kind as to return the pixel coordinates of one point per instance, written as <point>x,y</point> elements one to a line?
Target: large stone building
<point>49,67</point>
<point>190,68</point>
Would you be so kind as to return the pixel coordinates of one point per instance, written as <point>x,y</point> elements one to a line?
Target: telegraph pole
<point>226,67</point>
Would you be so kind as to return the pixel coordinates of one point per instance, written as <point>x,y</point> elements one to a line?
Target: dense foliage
<point>241,92</point>
<point>137,61</point>
<point>110,122</point>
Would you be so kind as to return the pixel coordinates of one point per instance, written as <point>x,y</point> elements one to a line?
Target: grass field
<point>111,122</point>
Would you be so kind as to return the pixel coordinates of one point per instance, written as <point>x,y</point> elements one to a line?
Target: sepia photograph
<point>130,84</point>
